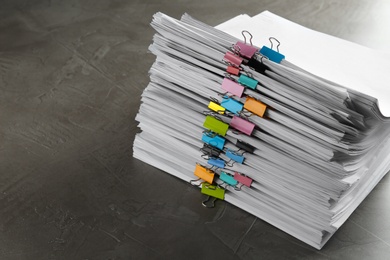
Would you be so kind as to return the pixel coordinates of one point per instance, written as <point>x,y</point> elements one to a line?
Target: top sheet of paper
<point>346,63</point>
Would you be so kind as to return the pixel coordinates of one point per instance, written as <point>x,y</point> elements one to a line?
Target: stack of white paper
<point>278,139</point>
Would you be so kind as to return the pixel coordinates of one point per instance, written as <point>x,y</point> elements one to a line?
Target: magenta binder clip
<point>245,50</point>
<point>243,179</point>
<point>232,87</point>
<point>233,59</point>
<point>242,125</point>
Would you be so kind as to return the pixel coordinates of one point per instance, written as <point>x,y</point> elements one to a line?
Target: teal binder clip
<point>247,81</point>
<point>219,163</point>
<point>235,157</point>
<point>232,105</point>
<point>215,125</point>
<point>214,140</point>
<point>228,179</point>
<point>275,56</point>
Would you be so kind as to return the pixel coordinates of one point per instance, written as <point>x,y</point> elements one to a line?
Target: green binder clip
<point>213,191</point>
<point>215,125</point>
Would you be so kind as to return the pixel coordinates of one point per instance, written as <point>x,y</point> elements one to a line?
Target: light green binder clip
<point>212,191</point>
<point>215,125</point>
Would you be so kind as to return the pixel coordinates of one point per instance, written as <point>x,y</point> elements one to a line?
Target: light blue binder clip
<point>232,105</point>
<point>219,163</point>
<point>235,157</point>
<point>214,140</point>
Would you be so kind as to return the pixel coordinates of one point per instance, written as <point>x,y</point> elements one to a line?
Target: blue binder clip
<point>275,56</point>
<point>219,163</point>
<point>235,157</point>
<point>232,105</point>
<point>214,140</point>
<point>228,179</point>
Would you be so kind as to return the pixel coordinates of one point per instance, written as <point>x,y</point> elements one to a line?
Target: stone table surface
<point>71,76</point>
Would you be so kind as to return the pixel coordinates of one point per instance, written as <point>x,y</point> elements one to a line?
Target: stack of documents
<point>228,111</point>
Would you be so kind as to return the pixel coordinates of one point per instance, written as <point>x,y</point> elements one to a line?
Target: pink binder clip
<point>232,87</point>
<point>242,125</point>
<point>233,59</point>
<point>243,179</point>
<point>245,50</point>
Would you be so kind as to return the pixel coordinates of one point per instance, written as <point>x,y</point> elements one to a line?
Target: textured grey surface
<point>71,75</point>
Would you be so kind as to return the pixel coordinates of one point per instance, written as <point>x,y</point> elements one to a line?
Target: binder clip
<point>243,179</point>
<point>228,179</point>
<point>231,105</point>
<point>212,191</point>
<point>245,146</point>
<point>213,140</point>
<point>247,81</point>
<point>204,173</point>
<point>215,125</point>
<point>232,59</point>
<point>270,53</point>
<point>232,87</point>
<point>210,151</point>
<point>219,163</point>
<point>192,182</point>
<point>234,156</point>
<point>255,106</point>
<point>233,70</point>
<point>242,125</point>
<point>257,65</point>
<point>244,49</point>
<point>216,107</point>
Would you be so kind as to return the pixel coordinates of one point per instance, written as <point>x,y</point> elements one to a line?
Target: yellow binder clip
<point>216,108</point>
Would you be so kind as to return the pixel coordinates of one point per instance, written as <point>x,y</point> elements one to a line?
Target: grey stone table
<point>71,75</point>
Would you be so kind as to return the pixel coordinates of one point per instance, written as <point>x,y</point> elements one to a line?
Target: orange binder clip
<point>204,173</point>
<point>255,106</point>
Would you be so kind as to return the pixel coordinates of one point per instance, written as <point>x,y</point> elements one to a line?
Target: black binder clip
<point>245,146</point>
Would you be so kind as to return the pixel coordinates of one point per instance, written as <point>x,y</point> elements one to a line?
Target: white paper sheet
<point>346,63</point>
